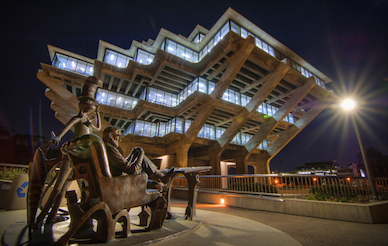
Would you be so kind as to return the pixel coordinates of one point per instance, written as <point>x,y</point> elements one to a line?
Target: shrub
<point>8,173</point>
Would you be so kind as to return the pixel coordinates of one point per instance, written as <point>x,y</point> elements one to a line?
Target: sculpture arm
<point>98,119</point>
<point>57,138</point>
<point>117,162</point>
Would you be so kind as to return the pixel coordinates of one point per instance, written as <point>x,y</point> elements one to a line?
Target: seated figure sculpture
<point>134,163</point>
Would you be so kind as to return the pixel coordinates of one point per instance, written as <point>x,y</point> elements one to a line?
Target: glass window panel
<point>151,97</point>
<point>147,129</point>
<point>259,43</point>
<point>235,28</point>
<point>162,129</point>
<point>180,51</point>
<point>111,100</point>
<point>171,47</point>
<point>89,69</point>
<point>174,100</point>
<point>122,61</point>
<point>187,124</point>
<point>200,133</point>
<point>81,67</point>
<point>244,33</point>
<point>179,127</point>
<point>224,29</point>
<point>167,98</point>
<point>210,45</point>
<point>141,57</point>
<point>120,101</point>
<point>110,57</point>
<point>202,85</point>
<point>127,103</point>
<point>211,87</point>
<point>195,56</point>
<point>134,102</point>
<point>159,97</point>
<point>101,96</point>
<point>265,47</point>
<point>212,132</point>
<point>271,51</point>
<point>139,125</point>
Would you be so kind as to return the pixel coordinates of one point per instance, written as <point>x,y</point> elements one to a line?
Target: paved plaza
<point>223,225</point>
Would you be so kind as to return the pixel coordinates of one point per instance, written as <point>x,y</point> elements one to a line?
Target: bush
<point>9,173</point>
<point>326,194</point>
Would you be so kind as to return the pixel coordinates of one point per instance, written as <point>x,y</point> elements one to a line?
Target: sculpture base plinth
<point>17,234</point>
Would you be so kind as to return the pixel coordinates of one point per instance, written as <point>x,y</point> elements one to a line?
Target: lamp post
<point>349,105</point>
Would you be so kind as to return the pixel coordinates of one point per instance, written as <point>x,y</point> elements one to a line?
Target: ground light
<point>222,201</point>
<point>349,105</point>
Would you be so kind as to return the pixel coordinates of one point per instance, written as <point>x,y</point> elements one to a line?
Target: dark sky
<point>346,40</point>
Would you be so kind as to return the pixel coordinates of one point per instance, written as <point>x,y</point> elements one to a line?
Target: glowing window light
<point>222,201</point>
<point>63,64</point>
<point>73,64</point>
<point>112,57</point>
<point>119,64</point>
<point>170,49</point>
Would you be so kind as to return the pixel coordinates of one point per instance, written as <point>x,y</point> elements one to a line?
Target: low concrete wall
<point>364,213</point>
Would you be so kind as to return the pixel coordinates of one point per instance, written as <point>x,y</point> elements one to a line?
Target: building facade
<point>231,96</point>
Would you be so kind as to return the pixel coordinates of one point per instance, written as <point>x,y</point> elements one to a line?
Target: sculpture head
<point>112,135</point>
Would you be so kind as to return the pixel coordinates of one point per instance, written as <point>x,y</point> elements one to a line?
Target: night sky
<point>346,40</point>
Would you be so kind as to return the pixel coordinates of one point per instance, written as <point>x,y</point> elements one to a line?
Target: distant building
<point>229,96</point>
<point>329,168</point>
<point>324,168</point>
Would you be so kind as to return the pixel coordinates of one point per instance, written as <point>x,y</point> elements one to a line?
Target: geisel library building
<point>230,97</point>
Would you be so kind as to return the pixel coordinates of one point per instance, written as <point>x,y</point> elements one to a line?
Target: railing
<point>286,185</point>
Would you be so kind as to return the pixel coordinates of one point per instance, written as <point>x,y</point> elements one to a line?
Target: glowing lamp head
<point>222,201</point>
<point>314,179</point>
<point>348,104</point>
<point>276,181</point>
<point>348,179</point>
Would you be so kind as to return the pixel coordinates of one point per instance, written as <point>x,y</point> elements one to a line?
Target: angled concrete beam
<point>236,62</point>
<point>256,83</point>
<point>273,122</point>
<point>110,82</point>
<point>59,91</point>
<point>246,113</point>
<point>120,84</point>
<point>218,70</point>
<point>288,135</point>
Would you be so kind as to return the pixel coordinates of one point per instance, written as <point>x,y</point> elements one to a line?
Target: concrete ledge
<point>363,213</point>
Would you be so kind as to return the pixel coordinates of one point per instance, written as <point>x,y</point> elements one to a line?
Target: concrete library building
<point>230,97</point>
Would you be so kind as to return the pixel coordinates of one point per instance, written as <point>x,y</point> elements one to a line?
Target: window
<point>144,57</point>
<point>72,64</point>
<point>116,59</point>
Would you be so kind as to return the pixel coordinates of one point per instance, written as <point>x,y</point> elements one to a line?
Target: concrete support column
<point>239,121</point>
<point>271,124</point>
<point>241,159</point>
<point>182,153</point>
<point>214,154</point>
<point>236,62</point>
<point>289,134</point>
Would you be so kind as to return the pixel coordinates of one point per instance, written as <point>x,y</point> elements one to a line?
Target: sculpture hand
<point>54,139</point>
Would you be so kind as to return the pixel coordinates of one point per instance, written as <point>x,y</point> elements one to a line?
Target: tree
<point>376,160</point>
<point>18,148</point>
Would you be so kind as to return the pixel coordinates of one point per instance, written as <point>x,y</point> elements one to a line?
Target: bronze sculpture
<point>85,160</point>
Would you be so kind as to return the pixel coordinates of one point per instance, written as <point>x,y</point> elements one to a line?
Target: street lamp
<point>349,104</point>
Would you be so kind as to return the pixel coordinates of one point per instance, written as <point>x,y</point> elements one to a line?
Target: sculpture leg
<point>57,190</point>
<point>193,181</point>
<point>158,213</point>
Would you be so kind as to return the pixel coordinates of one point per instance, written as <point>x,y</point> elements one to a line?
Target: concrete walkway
<point>224,225</point>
